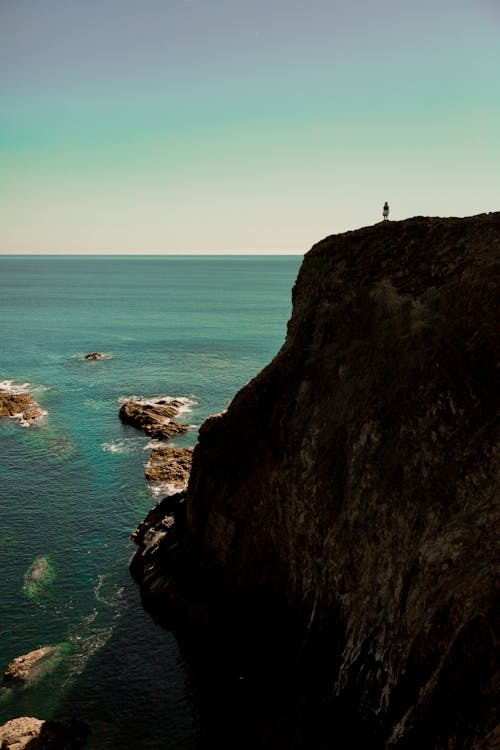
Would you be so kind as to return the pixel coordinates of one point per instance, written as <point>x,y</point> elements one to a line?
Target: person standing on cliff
<point>385,211</point>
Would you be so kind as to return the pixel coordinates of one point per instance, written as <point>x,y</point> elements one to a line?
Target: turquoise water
<point>72,488</point>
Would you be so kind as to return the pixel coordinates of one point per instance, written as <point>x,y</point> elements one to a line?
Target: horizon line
<point>135,254</point>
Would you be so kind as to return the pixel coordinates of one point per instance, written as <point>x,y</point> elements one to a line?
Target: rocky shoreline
<point>354,484</point>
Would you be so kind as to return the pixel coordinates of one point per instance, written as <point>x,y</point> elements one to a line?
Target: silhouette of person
<point>385,211</point>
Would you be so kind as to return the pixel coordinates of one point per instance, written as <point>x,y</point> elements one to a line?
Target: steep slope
<point>355,480</point>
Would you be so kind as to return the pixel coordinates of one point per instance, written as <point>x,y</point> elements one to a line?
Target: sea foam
<point>159,490</point>
<point>9,386</point>
<point>122,446</point>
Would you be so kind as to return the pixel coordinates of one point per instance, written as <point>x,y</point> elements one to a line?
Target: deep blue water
<point>72,488</point>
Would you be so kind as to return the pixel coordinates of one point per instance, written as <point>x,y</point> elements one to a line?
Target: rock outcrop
<point>355,480</point>
<point>94,355</point>
<point>154,416</point>
<point>29,733</point>
<point>16,402</point>
<point>16,734</point>
<point>168,464</point>
<point>22,667</point>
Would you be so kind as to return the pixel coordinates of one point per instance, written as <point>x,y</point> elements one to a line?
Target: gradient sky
<point>241,125</point>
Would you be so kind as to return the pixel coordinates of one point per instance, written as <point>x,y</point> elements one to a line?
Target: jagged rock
<point>14,403</point>
<point>356,478</point>
<point>171,465</point>
<point>21,667</point>
<point>17,733</point>
<point>94,355</point>
<point>154,416</point>
<point>20,405</point>
<point>29,733</point>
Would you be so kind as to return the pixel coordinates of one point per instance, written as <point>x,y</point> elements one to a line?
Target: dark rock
<point>154,416</point>
<point>356,477</point>
<point>94,355</point>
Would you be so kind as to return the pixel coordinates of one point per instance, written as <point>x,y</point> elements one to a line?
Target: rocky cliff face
<point>356,480</point>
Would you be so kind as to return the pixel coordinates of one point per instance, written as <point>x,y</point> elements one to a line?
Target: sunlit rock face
<point>356,479</point>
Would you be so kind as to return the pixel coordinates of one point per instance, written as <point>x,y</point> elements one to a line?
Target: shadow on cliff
<point>239,684</point>
<point>358,475</point>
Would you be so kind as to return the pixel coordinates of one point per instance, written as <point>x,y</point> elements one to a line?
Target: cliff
<point>355,482</point>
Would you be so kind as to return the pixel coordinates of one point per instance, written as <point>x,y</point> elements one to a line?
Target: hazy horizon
<point>181,127</point>
<point>139,254</point>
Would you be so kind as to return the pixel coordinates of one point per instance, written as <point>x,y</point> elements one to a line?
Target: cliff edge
<point>355,481</point>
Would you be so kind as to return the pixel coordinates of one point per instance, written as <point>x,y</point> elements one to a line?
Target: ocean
<point>72,487</point>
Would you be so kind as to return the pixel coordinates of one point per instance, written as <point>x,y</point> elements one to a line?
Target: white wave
<point>187,405</point>
<point>29,422</point>
<point>159,490</point>
<point>123,446</point>
<point>9,386</point>
<point>154,444</point>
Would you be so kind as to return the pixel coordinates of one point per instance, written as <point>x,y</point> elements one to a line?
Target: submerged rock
<point>40,574</point>
<point>154,416</point>
<point>355,481</point>
<point>29,733</point>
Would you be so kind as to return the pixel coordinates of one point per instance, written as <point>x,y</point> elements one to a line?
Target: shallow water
<point>72,488</point>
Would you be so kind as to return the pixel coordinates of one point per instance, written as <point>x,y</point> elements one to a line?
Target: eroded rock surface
<point>356,478</point>
<point>17,402</point>
<point>17,733</point>
<point>169,464</point>
<point>156,417</point>
<point>21,668</point>
<point>29,733</point>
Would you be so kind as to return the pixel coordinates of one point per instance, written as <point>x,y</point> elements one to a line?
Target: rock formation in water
<point>39,576</point>
<point>15,402</point>
<point>22,668</point>
<point>94,355</point>
<point>154,416</point>
<point>168,464</point>
<point>29,733</point>
<point>355,479</point>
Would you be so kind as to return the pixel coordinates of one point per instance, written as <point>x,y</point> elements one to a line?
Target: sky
<point>231,126</point>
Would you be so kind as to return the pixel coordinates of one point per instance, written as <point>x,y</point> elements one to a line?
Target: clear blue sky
<point>241,125</point>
